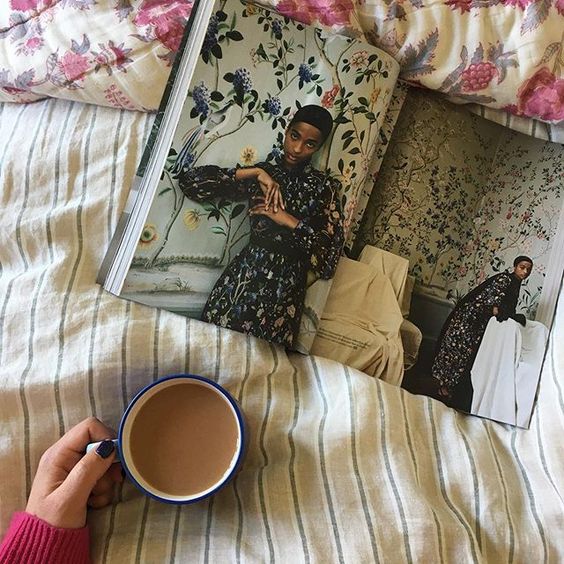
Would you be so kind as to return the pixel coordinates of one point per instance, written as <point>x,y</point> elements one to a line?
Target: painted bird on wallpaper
<point>211,126</point>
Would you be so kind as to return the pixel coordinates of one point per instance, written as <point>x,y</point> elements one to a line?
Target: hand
<point>67,479</point>
<point>271,190</point>
<point>520,318</point>
<point>444,392</point>
<point>278,216</point>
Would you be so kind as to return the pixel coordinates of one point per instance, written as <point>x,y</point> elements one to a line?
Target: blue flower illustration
<point>277,29</point>
<point>201,97</point>
<point>242,81</point>
<point>305,72</point>
<point>210,40</point>
<point>272,106</point>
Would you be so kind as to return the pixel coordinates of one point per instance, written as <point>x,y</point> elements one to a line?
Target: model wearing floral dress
<point>262,290</point>
<point>462,334</point>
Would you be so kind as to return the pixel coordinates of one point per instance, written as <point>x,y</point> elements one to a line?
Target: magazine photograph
<point>473,210</point>
<point>272,149</point>
<point>293,189</point>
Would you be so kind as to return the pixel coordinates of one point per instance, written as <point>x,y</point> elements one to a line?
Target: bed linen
<point>503,54</point>
<point>341,467</point>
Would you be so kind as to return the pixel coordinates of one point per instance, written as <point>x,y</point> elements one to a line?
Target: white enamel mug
<point>123,449</point>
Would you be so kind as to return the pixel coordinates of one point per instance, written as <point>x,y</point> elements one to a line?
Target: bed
<point>341,467</point>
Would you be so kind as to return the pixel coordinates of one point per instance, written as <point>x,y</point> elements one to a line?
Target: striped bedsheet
<point>341,467</point>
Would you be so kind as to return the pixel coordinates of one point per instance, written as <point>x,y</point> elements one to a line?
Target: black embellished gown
<point>462,334</point>
<point>262,290</point>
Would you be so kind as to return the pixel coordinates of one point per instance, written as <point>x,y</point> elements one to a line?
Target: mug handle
<point>91,446</point>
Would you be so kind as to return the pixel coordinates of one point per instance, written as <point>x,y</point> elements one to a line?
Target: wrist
<point>247,173</point>
<point>291,222</point>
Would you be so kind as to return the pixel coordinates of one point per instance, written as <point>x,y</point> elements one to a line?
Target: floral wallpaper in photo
<point>256,68</point>
<point>431,180</point>
<point>518,214</point>
<point>461,197</point>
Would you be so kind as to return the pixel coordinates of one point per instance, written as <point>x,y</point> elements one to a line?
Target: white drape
<point>506,371</point>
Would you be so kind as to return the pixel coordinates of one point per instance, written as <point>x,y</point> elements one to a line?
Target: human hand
<point>520,318</point>
<point>67,480</point>
<point>279,216</point>
<point>271,190</point>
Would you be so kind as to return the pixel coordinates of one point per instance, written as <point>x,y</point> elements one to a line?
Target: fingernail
<point>105,448</point>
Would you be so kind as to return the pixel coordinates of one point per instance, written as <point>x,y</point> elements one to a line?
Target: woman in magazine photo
<point>463,330</point>
<point>296,226</point>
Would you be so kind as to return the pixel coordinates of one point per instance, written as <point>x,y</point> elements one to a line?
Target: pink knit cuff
<point>31,540</point>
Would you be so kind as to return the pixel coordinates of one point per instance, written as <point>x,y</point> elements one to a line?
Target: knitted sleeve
<point>30,540</point>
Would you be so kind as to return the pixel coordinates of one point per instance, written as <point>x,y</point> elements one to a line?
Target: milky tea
<point>183,439</point>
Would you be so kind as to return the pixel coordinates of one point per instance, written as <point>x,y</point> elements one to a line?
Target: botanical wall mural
<point>460,197</point>
<point>436,153</point>
<point>240,103</point>
<point>518,214</point>
<point>255,70</point>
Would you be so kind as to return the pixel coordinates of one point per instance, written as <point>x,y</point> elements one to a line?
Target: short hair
<point>522,258</point>
<point>315,115</point>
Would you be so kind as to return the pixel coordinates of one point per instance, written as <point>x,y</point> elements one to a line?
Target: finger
<point>116,473</point>
<point>270,196</point>
<point>104,484</point>
<point>274,193</point>
<point>258,210</point>
<point>99,501</point>
<point>81,480</point>
<point>281,200</point>
<point>88,431</point>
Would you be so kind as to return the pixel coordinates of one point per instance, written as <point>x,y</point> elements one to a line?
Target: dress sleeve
<point>31,540</point>
<point>321,234</point>
<point>207,182</point>
<point>494,292</point>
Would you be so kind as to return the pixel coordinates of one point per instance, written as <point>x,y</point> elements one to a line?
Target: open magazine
<point>431,204</point>
<point>256,101</point>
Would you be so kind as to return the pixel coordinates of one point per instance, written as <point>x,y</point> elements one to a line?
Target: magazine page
<point>275,109</point>
<point>475,213</point>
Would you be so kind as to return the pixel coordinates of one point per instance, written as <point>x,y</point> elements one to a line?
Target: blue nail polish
<point>105,448</point>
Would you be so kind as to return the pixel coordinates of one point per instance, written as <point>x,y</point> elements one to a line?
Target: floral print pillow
<point>505,54</point>
<point>109,52</point>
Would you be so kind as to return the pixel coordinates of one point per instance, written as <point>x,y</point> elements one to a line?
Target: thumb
<point>81,480</point>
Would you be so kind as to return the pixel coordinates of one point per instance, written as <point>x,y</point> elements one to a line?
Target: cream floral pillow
<point>505,54</point>
<point>109,52</point>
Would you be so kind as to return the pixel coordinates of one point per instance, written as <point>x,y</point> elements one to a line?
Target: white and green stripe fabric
<point>341,467</point>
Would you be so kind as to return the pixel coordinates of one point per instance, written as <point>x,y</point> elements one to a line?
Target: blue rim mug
<point>123,451</point>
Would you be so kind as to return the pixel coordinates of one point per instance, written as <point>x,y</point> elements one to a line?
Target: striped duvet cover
<point>341,467</point>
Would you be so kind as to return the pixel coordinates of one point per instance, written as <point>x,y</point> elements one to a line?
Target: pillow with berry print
<point>108,52</point>
<point>504,54</point>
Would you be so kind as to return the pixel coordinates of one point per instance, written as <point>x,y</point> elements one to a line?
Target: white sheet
<point>506,371</point>
<point>341,467</point>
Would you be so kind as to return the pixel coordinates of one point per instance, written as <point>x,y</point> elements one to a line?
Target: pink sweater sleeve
<point>31,540</point>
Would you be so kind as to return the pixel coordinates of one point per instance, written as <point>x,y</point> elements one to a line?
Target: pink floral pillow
<point>505,54</point>
<point>109,52</point>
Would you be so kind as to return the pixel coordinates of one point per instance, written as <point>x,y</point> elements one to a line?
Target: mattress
<point>341,467</point>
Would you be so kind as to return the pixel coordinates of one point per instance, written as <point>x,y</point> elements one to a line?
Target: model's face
<point>523,269</point>
<point>300,142</point>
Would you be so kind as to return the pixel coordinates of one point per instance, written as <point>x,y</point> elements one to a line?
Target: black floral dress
<point>462,334</point>
<point>263,288</point>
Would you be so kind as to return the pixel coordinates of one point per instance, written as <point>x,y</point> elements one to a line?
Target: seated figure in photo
<point>463,330</point>
<point>296,225</point>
